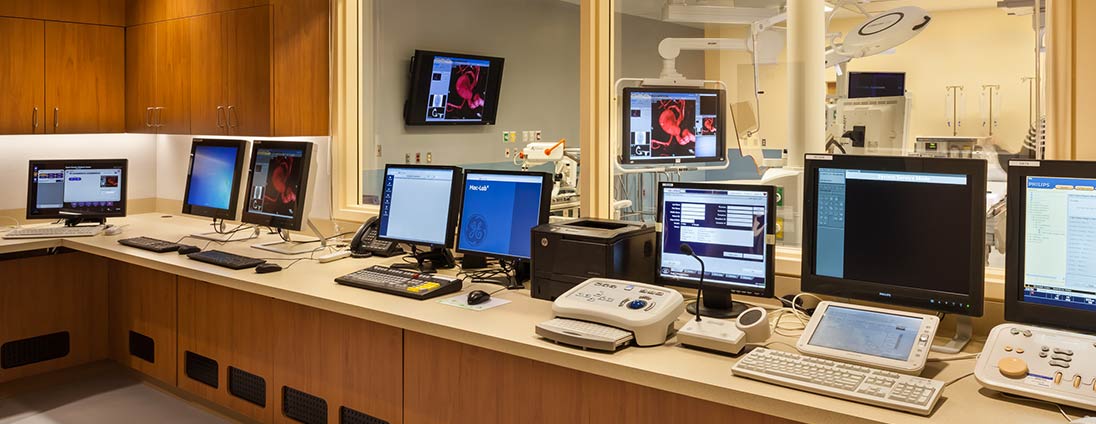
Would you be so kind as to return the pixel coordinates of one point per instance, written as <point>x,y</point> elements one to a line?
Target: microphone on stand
<point>688,250</point>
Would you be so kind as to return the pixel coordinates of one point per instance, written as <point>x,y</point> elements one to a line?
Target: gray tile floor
<point>112,397</point>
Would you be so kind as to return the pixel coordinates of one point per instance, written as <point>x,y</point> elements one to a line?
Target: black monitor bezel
<point>292,224</point>
<point>215,213</point>
<point>974,169</point>
<point>626,124</point>
<point>545,206</point>
<point>1016,309</point>
<point>454,204</point>
<point>419,85</point>
<point>770,248</point>
<point>123,164</point>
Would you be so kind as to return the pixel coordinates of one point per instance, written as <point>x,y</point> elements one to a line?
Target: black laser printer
<point>567,253</point>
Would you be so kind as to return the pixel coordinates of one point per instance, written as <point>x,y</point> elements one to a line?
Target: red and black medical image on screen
<point>283,182</point>
<point>707,126</point>
<point>673,124</point>
<point>467,91</point>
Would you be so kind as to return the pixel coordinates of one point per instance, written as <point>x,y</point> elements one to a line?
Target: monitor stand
<point>964,327</point>
<point>716,302</point>
<point>287,246</point>
<point>220,236</point>
<point>430,261</point>
<point>520,273</point>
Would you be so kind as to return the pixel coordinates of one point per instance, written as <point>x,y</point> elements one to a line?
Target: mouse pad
<point>461,301</point>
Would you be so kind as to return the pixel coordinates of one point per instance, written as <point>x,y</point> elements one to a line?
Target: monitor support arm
<point>964,328</point>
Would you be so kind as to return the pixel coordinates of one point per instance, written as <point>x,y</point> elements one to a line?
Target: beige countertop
<point>509,329</point>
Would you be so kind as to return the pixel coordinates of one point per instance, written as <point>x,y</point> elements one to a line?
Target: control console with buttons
<point>646,311</point>
<point>1041,363</point>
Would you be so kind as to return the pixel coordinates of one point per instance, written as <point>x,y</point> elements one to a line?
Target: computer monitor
<point>729,227</point>
<point>673,125</point>
<point>1050,275</point>
<point>213,178</point>
<point>896,230</point>
<point>498,212</point>
<point>453,89</point>
<point>277,185</point>
<point>419,208</point>
<point>876,84</point>
<point>77,189</point>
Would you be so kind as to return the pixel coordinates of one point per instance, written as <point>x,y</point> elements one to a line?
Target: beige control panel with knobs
<point>1052,365</point>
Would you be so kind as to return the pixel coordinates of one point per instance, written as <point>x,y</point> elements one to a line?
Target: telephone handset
<point>365,243</point>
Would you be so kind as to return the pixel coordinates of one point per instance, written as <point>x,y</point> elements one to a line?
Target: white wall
<point>173,155</point>
<point>140,149</point>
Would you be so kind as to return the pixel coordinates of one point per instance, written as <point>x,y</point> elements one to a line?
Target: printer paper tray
<point>586,335</point>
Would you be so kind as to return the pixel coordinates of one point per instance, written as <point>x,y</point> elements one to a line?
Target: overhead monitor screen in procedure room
<point>458,89</point>
<point>671,125</point>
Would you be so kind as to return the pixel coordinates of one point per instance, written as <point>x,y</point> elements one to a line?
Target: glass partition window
<point>472,83</point>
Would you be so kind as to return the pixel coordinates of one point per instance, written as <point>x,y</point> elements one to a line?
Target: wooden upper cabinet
<point>102,12</point>
<point>140,78</point>
<point>207,76</point>
<point>85,78</point>
<point>172,80</point>
<point>231,73</point>
<point>248,69</point>
<point>21,76</point>
<point>301,68</point>
<point>146,11</point>
<point>33,9</point>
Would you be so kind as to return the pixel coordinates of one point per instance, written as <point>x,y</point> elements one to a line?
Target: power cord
<point>1021,398</point>
<point>16,221</point>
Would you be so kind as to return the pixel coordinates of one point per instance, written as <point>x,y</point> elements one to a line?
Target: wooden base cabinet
<point>143,320</point>
<point>53,313</point>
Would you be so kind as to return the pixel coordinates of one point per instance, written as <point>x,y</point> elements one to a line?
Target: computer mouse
<point>186,249</point>
<point>267,268</point>
<point>477,297</point>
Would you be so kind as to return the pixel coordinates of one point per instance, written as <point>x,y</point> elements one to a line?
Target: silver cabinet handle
<point>148,114</point>
<point>159,116</point>
<point>56,118</point>
<point>220,110</point>
<point>231,113</point>
<point>34,119</point>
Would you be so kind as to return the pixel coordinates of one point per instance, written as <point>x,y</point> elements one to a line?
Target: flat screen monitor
<point>876,84</point>
<point>419,204</point>
<point>453,89</point>
<point>277,183</point>
<point>728,227</point>
<point>896,230</point>
<point>1050,275</point>
<point>213,178</point>
<point>673,125</point>
<point>499,210</point>
<point>71,187</point>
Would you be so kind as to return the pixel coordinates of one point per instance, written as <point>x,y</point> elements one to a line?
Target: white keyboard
<point>49,232</point>
<point>837,379</point>
<point>584,334</point>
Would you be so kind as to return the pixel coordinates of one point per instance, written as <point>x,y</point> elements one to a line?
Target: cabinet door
<point>102,12</point>
<point>248,67</point>
<point>21,76</point>
<point>140,78</point>
<point>172,76</point>
<point>145,11</point>
<point>207,74</point>
<point>85,78</point>
<point>33,9</point>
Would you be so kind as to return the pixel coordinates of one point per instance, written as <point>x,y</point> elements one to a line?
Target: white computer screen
<point>416,204</point>
<point>1060,242</point>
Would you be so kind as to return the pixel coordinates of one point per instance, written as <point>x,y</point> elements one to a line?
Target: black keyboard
<point>401,283</point>
<point>150,244</point>
<point>225,259</point>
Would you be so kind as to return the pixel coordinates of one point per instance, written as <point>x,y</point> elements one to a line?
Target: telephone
<point>365,243</point>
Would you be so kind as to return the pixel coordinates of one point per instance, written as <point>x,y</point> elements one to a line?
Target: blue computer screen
<point>416,203</point>
<point>499,213</point>
<point>871,333</point>
<point>673,125</point>
<point>211,176</point>
<point>725,227</point>
<point>458,89</point>
<point>1060,242</point>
